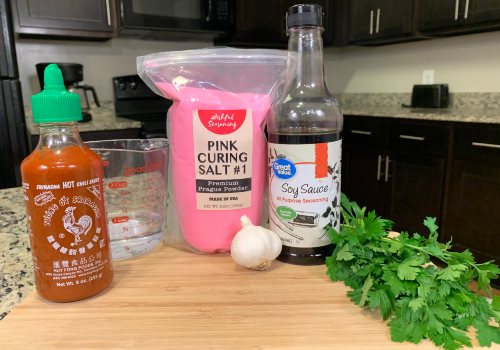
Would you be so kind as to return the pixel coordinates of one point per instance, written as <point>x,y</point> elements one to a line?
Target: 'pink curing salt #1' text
<point>215,127</point>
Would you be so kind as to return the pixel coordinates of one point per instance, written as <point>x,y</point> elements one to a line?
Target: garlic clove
<point>255,247</point>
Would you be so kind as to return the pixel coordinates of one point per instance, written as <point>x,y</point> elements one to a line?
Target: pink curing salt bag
<point>216,133</point>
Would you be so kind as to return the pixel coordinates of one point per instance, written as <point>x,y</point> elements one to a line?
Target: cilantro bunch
<point>396,276</point>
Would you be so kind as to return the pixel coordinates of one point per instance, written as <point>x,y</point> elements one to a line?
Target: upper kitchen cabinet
<point>448,17</point>
<point>83,19</point>
<point>262,23</point>
<point>175,19</point>
<point>381,21</point>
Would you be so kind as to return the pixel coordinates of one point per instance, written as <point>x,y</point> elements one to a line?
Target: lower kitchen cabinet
<point>472,218</point>
<point>360,181</point>
<point>417,184</point>
<point>396,168</point>
<point>364,141</point>
<point>472,204</point>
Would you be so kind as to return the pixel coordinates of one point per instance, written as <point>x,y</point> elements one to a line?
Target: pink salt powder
<point>206,229</point>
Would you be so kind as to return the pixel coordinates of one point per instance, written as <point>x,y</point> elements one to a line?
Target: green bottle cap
<point>55,104</point>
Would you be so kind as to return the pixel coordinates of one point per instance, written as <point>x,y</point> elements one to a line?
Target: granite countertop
<point>16,269</point>
<point>466,115</point>
<point>103,118</point>
<point>463,107</point>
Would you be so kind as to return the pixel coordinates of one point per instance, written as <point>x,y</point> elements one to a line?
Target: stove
<point>135,100</point>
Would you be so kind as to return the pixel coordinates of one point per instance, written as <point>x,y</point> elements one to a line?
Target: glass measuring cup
<point>135,179</point>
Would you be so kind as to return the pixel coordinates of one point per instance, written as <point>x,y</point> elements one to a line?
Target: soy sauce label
<point>223,158</point>
<point>304,192</point>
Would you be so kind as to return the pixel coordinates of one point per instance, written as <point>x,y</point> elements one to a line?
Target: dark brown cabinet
<point>262,23</point>
<point>396,168</point>
<point>381,21</point>
<point>416,190</point>
<point>473,192</point>
<point>84,19</point>
<point>447,17</point>
<point>363,146</point>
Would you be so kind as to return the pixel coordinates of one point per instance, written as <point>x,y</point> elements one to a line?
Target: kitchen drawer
<point>418,137</point>
<point>364,131</point>
<point>477,141</point>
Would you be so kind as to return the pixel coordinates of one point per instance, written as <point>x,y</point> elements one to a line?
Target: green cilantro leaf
<point>486,334</point>
<point>382,299</point>
<point>408,269</point>
<point>452,272</point>
<point>396,286</point>
<point>416,303</point>
<point>430,223</point>
<point>344,254</point>
<point>495,303</point>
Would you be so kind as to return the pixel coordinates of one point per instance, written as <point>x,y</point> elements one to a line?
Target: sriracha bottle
<point>62,181</point>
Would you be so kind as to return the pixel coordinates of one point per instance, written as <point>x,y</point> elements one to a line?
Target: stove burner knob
<point>122,86</point>
<point>133,85</point>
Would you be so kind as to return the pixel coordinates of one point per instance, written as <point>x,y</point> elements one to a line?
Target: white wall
<point>469,63</point>
<point>101,60</point>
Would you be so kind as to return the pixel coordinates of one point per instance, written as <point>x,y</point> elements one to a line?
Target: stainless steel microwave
<point>176,18</point>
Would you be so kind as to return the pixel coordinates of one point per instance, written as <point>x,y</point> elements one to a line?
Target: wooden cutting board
<point>172,299</point>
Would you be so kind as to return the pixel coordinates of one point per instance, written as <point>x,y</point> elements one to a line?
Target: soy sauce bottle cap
<point>304,15</point>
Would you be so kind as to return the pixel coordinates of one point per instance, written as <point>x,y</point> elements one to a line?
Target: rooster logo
<point>76,228</point>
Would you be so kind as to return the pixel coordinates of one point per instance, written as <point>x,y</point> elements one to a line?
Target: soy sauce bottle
<point>304,144</point>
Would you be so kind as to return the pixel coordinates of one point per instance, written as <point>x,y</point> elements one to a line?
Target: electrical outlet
<point>428,76</point>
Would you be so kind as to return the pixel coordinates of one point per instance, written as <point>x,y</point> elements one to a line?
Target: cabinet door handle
<point>379,166</point>
<point>466,12</point>
<point>411,137</point>
<point>371,22</point>
<point>386,175</point>
<point>108,13</point>
<point>486,145</point>
<point>377,26</point>
<point>457,5</point>
<point>361,132</point>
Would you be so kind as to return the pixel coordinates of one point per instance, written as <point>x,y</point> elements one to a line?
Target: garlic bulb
<point>255,247</point>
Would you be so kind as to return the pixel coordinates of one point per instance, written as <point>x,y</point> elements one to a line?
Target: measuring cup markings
<point>120,219</point>
<point>117,184</point>
<point>135,184</point>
